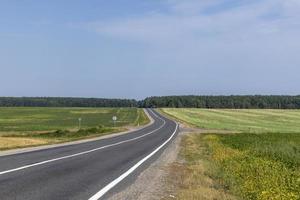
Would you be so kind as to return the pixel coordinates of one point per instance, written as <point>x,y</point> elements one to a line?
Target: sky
<point>135,49</point>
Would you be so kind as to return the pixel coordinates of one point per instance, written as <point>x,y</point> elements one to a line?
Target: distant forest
<point>65,102</point>
<point>237,102</point>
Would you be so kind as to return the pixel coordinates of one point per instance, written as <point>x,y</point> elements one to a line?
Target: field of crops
<point>241,120</point>
<point>20,127</point>
<point>45,119</point>
<point>257,158</point>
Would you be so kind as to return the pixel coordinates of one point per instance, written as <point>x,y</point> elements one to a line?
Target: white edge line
<point>84,152</point>
<point>108,187</point>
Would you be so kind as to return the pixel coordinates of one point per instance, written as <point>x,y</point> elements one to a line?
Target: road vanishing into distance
<point>91,170</point>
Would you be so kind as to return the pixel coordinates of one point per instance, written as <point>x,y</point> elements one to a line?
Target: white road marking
<point>108,187</point>
<point>84,152</point>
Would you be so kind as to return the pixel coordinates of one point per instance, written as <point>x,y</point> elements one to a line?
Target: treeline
<point>236,102</point>
<point>65,102</point>
<point>274,102</point>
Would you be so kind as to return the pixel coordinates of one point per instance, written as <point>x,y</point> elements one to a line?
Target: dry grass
<point>11,142</point>
<point>192,179</point>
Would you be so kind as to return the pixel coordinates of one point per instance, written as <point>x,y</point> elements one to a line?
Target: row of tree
<point>236,102</point>
<point>65,102</point>
<point>275,102</point>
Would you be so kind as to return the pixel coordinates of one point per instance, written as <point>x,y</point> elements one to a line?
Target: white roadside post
<point>114,118</point>
<point>79,123</point>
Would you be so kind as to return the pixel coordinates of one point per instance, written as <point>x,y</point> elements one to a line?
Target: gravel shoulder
<point>152,183</point>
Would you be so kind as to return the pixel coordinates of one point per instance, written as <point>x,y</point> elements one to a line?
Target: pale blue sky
<point>134,48</point>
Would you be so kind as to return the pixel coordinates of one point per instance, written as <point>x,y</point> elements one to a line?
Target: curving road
<point>91,170</point>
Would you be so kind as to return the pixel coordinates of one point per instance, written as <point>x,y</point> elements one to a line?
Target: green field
<point>45,119</point>
<point>243,120</point>
<point>62,124</point>
<point>253,154</point>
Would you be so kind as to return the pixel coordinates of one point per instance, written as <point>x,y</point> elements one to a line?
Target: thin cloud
<point>190,20</point>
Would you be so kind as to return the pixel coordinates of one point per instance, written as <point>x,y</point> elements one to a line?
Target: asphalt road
<point>92,170</point>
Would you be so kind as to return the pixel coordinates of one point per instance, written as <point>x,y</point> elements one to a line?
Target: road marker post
<point>79,123</point>
<point>114,118</point>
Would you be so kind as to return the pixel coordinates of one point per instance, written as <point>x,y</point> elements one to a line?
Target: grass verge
<point>13,141</point>
<point>261,162</point>
<point>192,178</point>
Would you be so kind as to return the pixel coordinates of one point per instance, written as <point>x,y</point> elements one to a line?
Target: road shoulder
<point>152,183</point>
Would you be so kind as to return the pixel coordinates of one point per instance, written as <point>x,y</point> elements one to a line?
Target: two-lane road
<point>91,170</point>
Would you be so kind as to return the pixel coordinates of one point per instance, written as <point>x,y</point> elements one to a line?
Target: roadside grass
<point>263,163</point>
<point>192,177</point>
<point>12,142</point>
<point>23,127</point>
